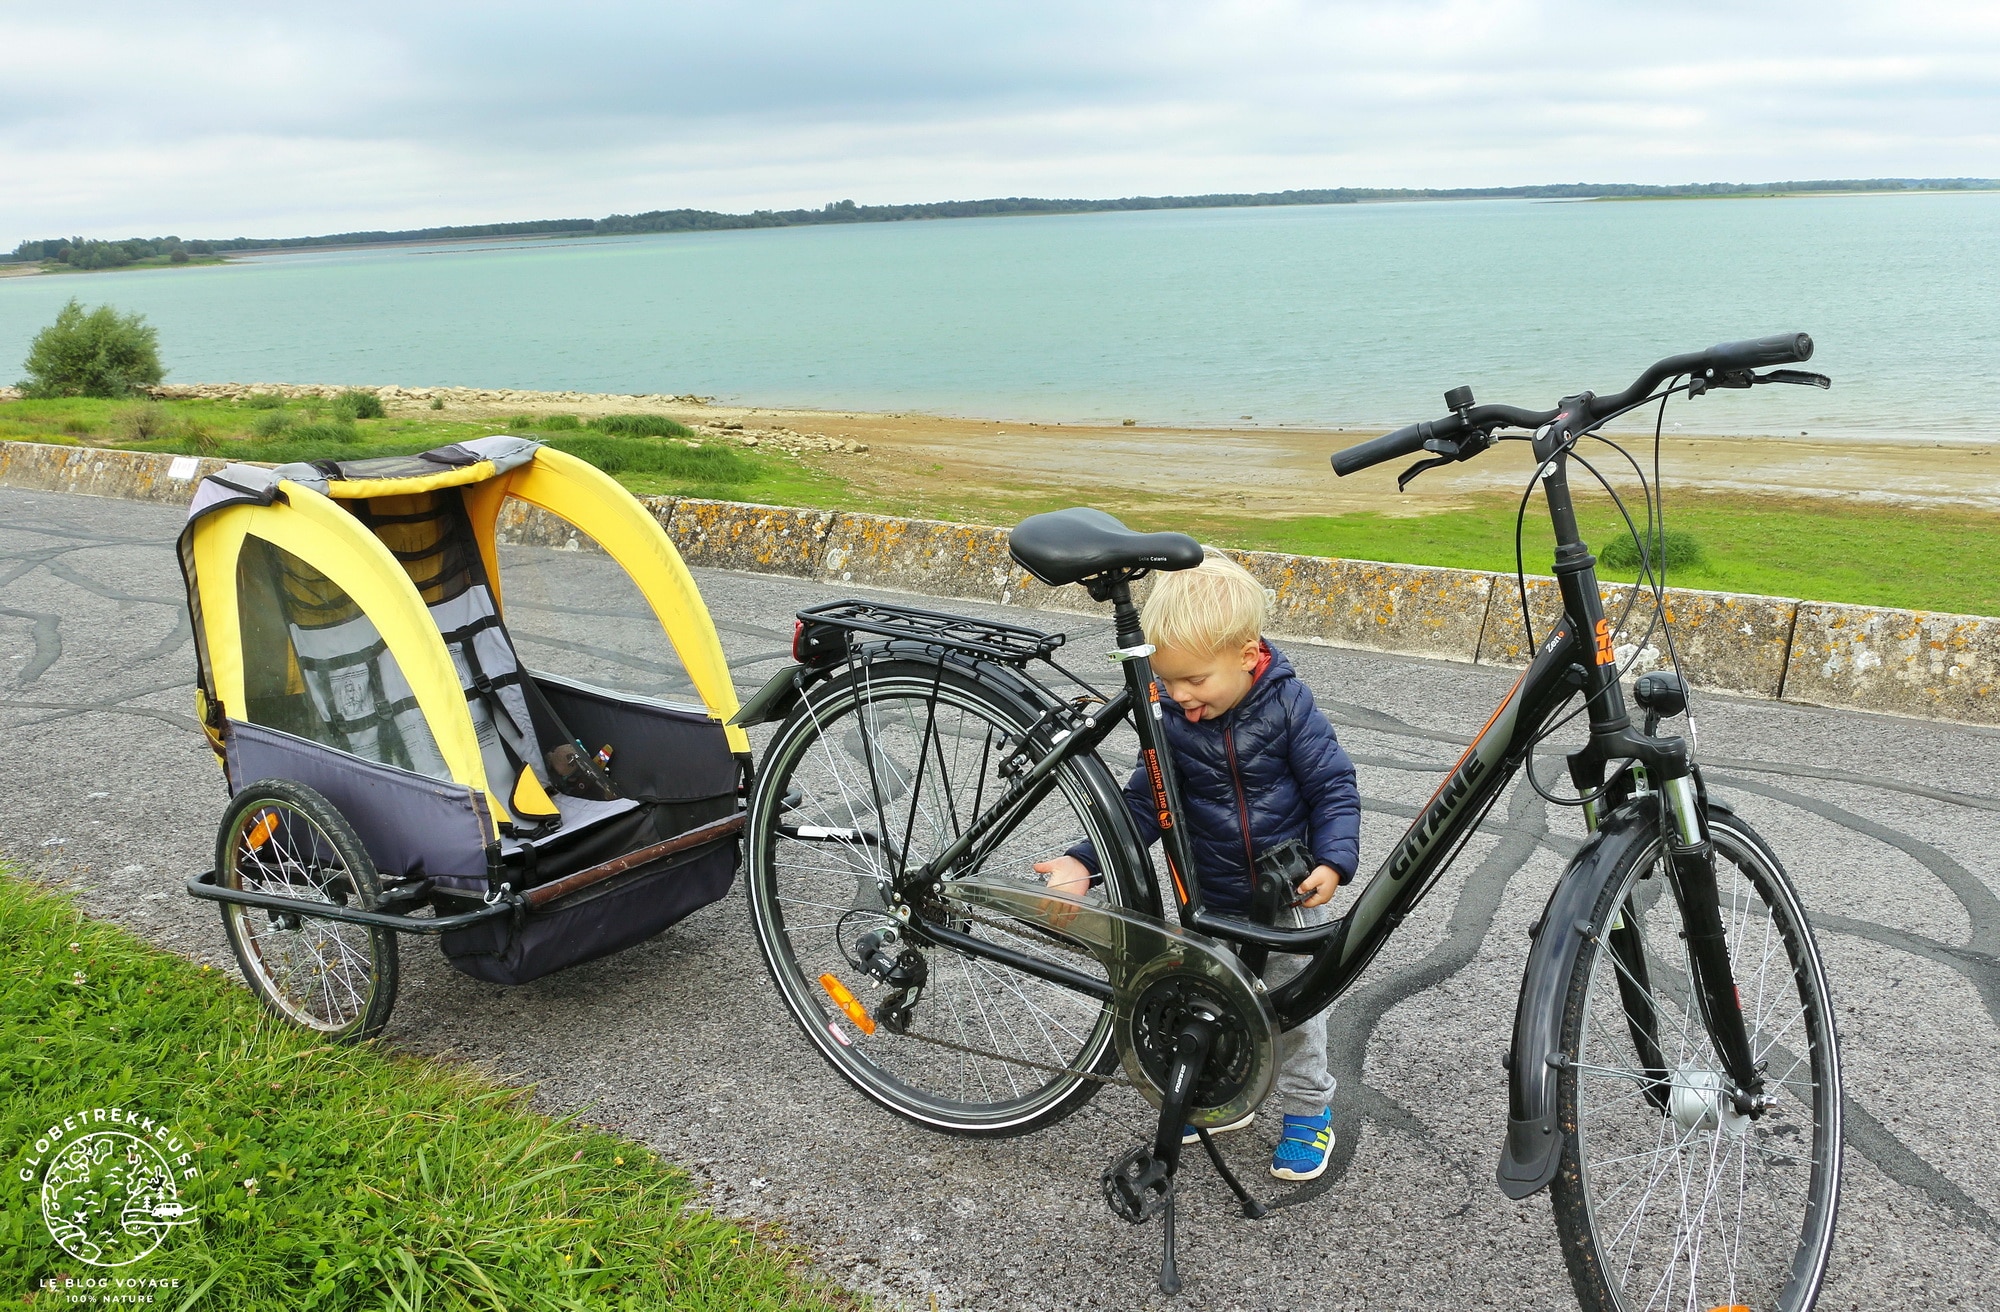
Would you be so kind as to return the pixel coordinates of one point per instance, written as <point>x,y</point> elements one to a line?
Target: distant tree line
<point>82,253</point>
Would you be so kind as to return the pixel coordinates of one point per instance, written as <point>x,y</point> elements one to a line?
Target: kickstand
<point>1251,1207</point>
<point>1140,1185</point>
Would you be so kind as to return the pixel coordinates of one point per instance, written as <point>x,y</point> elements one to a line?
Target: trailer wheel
<point>283,838</point>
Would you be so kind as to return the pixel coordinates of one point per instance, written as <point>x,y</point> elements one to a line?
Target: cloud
<point>234,118</point>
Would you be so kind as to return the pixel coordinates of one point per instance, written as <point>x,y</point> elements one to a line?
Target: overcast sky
<point>226,119</point>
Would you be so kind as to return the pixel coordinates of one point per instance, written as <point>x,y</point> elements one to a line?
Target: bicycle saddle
<point>1064,546</point>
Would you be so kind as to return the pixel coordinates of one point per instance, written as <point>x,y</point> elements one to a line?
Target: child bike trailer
<point>396,768</point>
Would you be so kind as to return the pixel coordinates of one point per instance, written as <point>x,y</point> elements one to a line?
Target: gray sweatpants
<point>1304,1085</point>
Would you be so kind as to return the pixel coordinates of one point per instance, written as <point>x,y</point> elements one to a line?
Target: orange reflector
<point>260,833</point>
<point>1729,1307</point>
<point>848,1003</point>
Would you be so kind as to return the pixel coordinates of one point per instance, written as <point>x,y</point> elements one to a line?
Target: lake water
<point>1326,316</point>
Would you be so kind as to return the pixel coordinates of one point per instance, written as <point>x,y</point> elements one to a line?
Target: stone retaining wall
<point>1916,663</point>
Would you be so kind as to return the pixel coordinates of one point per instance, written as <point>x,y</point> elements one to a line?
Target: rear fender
<point>1533,1147</point>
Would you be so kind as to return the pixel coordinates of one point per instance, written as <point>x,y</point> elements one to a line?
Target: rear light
<point>818,644</point>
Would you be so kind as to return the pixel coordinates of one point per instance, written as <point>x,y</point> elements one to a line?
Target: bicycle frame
<point>1576,657</point>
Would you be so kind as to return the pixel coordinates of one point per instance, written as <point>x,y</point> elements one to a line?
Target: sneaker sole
<point>1230,1128</point>
<point>1287,1173</point>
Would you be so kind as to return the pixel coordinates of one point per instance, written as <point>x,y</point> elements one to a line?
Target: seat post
<point>1124,615</point>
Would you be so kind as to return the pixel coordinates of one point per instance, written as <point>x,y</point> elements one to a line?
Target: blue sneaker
<point>1189,1136</point>
<point>1302,1154</point>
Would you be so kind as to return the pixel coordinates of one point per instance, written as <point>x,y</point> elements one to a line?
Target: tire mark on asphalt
<point>1982,906</point>
<point>1906,1167</point>
<point>1973,800</point>
<point>47,635</point>
<point>70,574</point>
<point>110,706</point>
<point>181,634</point>
<point>70,710</point>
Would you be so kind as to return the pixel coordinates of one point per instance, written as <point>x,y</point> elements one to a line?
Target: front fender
<point>1533,1147</point>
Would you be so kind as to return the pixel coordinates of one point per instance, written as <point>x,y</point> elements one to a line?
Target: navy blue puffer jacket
<point>1268,770</point>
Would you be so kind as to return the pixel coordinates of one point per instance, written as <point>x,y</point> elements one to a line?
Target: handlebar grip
<point>1402,442</point>
<point>1781,348</point>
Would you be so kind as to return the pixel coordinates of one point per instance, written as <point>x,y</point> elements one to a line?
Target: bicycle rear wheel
<point>1667,1196</point>
<point>880,769</point>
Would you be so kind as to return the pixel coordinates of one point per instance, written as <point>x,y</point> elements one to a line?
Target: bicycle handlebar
<point>1722,358</point>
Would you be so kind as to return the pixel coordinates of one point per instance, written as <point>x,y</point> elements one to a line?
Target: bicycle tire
<point>821,757</point>
<point>282,837</point>
<point>1665,1196</point>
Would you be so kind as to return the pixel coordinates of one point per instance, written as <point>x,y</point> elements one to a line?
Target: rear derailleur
<point>901,968</point>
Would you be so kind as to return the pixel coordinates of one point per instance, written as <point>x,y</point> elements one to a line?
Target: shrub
<point>93,353</point>
<point>561,423</point>
<point>437,403</point>
<point>178,257</point>
<point>641,426</point>
<point>142,423</point>
<point>264,401</point>
<point>271,423</point>
<point>78,427</point>
<point>1677,549</point>
<point>197,437</point>
<point>711,465</point>
<point>357,404</point>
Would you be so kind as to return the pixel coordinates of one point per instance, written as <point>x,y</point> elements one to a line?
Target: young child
<point>1258,765</point>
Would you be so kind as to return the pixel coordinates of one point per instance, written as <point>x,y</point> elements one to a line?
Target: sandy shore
<point>1248,470</point>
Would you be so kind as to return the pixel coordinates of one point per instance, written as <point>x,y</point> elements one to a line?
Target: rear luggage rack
<point>1009,644</point>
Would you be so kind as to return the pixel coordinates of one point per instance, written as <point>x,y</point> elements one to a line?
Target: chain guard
<point>1157,971</point>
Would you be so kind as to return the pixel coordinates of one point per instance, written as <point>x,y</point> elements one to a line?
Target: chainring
<point>1157,971</point>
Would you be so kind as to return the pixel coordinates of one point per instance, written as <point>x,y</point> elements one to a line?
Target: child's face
<point>1207,686</point>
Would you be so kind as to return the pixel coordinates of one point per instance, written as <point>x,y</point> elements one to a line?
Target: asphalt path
<point>1890,827</point>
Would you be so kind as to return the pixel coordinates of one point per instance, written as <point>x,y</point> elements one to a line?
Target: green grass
<point>641,426</point>
<point>1825,550</point>
<point>338,1177</point>
<point>659,456</point>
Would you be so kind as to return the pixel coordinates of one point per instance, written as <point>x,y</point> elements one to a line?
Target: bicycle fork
<point>1140,1185</point>
<point>1691,856</point>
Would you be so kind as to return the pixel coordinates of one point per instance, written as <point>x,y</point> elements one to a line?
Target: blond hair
<point>1207,609</point>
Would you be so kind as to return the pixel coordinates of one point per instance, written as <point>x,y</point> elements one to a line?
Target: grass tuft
<point>1677,550</point>
<point>340,1177</point>
<point>641,426</point>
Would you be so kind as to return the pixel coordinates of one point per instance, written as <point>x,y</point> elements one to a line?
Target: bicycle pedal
<point>1137,1185</point>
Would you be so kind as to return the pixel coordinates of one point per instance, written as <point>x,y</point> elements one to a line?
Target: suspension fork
<point>1691,855</point>
<point>1635,991</point>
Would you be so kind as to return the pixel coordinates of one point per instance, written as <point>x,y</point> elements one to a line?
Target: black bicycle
<point>1674,1072</point>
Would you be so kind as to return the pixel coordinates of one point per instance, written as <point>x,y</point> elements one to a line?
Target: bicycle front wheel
<point>1667,1195</point>
<point>875,772</point>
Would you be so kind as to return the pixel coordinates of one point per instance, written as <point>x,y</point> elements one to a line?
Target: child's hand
<point>1066,874</point>
<point>1316,889</point>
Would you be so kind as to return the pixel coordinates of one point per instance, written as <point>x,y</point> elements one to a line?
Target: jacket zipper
<point>1242,806</point>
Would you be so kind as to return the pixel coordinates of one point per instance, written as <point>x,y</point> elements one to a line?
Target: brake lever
<point>1449,452</point>
<point>1799,376</point>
